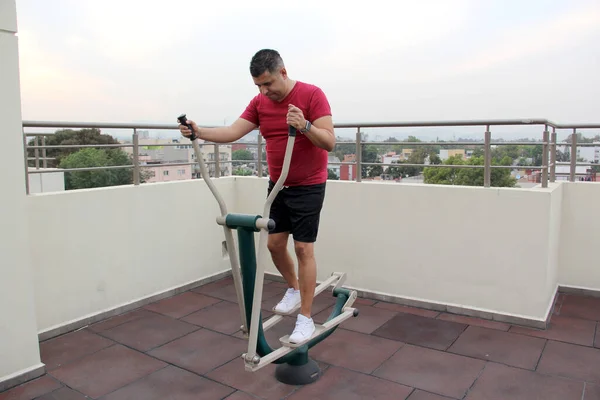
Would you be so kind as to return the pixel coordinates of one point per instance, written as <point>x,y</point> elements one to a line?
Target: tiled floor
<point>189,347</point>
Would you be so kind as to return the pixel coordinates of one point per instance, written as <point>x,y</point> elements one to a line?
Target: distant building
<point>335,167</point>
<point>347,171</point>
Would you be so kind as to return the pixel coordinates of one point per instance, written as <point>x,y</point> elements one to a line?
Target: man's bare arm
<point>321,133</point>
<point>221,134</point>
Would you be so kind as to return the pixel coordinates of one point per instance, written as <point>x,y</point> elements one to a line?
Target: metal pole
<point>358,155</point>
<point>26,163</point>
<point>37,153</point>
<point>217,162</point>
<point>136,158</point>
<point>553,156</point>
<point>573,155</point>
<point>44,160</point>
<point>259,156</point>
<point>487,171</point>
<point>545,158</point>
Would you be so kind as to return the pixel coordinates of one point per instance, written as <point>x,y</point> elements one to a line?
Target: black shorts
<point>297,209</point>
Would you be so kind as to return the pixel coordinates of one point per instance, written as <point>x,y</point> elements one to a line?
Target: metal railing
<point>548,167</point>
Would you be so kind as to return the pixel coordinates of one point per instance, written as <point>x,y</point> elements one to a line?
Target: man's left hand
<point>295,117</point>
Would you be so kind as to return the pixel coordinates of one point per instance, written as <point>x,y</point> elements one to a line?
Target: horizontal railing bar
<point>45,171</point>
<point>408,144</point>
<point>580,164</point>
<point>76,146</point>
<point>452,166</point>
<point>425,165</point>
<point>399,124</point>
<point>562,144</point>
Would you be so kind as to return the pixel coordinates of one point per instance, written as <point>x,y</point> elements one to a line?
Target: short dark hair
<point>265,60</point>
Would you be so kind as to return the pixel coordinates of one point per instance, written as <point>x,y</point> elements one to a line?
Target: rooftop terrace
<point>188,346</point>
<point>465,292</point>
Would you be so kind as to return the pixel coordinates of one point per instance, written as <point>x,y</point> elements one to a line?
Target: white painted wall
<point>19,352</point>
<point>47,182</point>
<point>484,249</point>
<point>580,236</point>
<point>98,249</point>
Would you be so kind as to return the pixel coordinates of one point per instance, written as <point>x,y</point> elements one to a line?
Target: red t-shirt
<point>308,165</point>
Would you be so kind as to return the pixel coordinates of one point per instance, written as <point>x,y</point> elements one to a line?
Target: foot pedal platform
<point>320,329</point>
<point>285,340</point>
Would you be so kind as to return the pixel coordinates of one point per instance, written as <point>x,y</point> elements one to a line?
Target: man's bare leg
<point>307,272</point>
<point>277,245</point>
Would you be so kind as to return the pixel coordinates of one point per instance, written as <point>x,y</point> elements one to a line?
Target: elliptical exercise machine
<point>294,365</point>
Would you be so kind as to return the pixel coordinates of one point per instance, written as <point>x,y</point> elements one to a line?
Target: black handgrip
<point>291,131</point>
<point>183,121</point>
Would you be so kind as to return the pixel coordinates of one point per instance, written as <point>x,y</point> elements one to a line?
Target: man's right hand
<point>185,131</point>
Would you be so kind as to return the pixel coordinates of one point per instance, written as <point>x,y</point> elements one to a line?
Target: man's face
<point>272,85</point>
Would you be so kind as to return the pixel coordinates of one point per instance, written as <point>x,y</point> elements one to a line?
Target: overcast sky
<point>149,61</point>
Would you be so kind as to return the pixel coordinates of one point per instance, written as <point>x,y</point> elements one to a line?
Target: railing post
<point>44,160</point>
<point>487,170</point>
<point>553,156</point>
<point>545,158</point>
<point>217,162</point>
<point>358,155</point>
<point>573,155</point>
<point>25,148</point>
<point>259,156</point>
<point>136,158</point>
<point>36,152</point>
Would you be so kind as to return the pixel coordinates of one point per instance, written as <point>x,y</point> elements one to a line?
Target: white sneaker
<point>304,329</point>
<point>290,300</point>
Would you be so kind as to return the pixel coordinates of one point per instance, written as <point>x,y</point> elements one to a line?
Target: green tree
<point>93,157</point>
<point>62,137</point>
<point>242,154</point>
<point>331,175</point>
<point>500,177</point>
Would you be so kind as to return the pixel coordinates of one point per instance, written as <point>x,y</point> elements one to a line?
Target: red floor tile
<point>581,307</point>
<point>421,395</point>
<point>355,351</point>
<point>149,332</point>
<point>484,323</point>
<point>500,382</point>
<point>422,331</point>
<point>201,351</point>
<point>224,292</point>
<point>182,304</point>
<point>222,317</point>
<point>338,383</point>
<point>591,392</point>
<point>215,286</point>
<point>563,329</point>
<point>71,346</point>
<point>364,302</point>
<point>119,320</point>
<point>367,321</point>
<point>431,370</point>
<point>172,383</point>
<point>571,361</point>
<point>407,309</point>
<point>503,347</point>
<point>261,383</point>
<point>63,394</point>
<point>107,370</point>
<point>241,396</point>
<point>32,389</point>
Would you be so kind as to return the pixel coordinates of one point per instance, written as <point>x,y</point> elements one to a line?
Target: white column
<point>19,348</point>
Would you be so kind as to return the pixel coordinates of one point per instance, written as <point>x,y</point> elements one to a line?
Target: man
<point>296,209</point>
